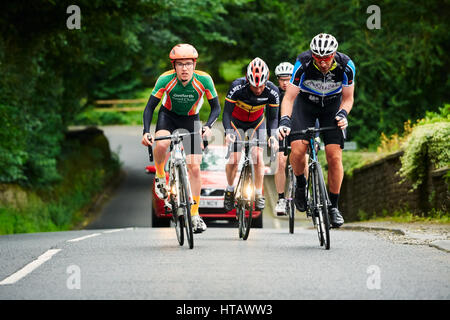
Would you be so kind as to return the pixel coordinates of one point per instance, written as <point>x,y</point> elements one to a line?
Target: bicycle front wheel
<point>246,205</point>
<point>290,207</point>
<point>323,210</point>
<point>185,204</point>
<point>179,224</point>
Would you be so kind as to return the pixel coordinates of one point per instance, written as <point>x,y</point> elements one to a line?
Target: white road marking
<point>30,267</point>
<point>113,230</point>
<point>85,237</point>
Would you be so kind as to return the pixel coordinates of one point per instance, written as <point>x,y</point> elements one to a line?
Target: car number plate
<point>205,203</point>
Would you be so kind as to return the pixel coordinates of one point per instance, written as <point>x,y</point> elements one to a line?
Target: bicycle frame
<point>179,193</point>
<point>176,160</point>
<point>317,197</point>
<point>313,165</point>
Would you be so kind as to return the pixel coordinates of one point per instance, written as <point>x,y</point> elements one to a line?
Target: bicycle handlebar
<point>310,132</point>
<point>173,137</point>
<point>254,142</point>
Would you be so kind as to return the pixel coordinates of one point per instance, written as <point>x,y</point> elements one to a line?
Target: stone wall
<point>376,189</point>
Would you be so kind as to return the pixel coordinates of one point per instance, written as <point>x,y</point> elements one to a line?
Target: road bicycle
<point>317,198</point>
<point>180,197</point>
<point>244,193</point>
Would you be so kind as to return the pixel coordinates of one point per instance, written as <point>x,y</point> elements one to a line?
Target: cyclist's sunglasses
<point>325,58</point>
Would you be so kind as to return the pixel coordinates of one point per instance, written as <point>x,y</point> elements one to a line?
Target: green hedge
<point>86,166</point>
<point>427,147</point>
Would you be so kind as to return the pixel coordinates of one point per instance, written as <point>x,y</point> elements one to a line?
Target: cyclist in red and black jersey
<point>245,104</point>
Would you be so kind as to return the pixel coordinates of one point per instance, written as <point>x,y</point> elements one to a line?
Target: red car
<point>214,182</point>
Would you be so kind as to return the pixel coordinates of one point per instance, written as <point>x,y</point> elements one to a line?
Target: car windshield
<point>214,160</point>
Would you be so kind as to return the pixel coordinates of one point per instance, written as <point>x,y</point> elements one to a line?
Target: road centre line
<point>30,267</point>
<point>85,237</point>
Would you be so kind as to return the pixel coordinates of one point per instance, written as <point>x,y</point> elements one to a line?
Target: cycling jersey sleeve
<point>148,112</point>
<point>215,111</point>
<point>233,91</point>
<point>273,107</point>
<point>349,74</point>
<point>297,73</point>
<point>208,84</point>
<point>162,82</point>
<point>226,117</point>
<point>230,102</point>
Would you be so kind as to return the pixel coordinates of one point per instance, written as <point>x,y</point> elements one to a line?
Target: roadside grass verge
<point>86,167</point>
<point>406,216</point>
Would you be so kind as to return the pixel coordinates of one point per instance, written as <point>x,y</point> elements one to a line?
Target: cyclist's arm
<point>226,117</point>
<point>347,98</point>
<point>215,111</point>
<point>148,112</point>
<point>288,100</point>
<point>273,109</point>
<point>348,87</point>
<point>272,120</point>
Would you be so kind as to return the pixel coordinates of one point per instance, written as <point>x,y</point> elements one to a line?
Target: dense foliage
<point>50,73</point>
<point>427,147</point>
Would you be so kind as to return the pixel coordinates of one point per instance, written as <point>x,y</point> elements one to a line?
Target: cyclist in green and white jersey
<point>182,90</point>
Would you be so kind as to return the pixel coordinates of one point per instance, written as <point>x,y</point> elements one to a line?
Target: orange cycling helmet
<point>183,51</point>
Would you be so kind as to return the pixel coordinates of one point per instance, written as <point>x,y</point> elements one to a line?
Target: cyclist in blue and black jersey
<point>324,80</point>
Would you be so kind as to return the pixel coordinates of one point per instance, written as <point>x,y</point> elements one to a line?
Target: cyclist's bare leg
<point>258,162</point>
<point>335,167</point>
<point>161,148</point>
<point>232,167</point>
<point>280,175</point>
<point>193,165</point>
<point>297,158</point>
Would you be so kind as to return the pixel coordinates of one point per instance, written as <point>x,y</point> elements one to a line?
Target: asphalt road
<point>121,257</point>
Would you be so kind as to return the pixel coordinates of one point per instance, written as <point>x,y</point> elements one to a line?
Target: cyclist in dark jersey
<point>245,104</point>
<point>283,73</point>
<point>183,89</point>
<point>324,80</point>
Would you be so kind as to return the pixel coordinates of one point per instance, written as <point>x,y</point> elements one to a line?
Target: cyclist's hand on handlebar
<point>341,118</point>
<point>273,143</point>
<point>285,127</point>
<point>205,132</point>
<point>230,138</point>
<point>147,139</point>
<point>282,132</point>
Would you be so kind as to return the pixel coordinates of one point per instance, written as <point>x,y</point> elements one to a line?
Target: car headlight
<point>248,191</point>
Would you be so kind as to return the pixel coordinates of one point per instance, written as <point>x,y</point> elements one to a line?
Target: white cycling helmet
<point>284,69</point>
<point>323,44</point>
<point>257,72</point>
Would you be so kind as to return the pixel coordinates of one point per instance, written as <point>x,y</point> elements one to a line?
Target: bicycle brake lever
<point>344,134</point>
<point>150,153</point>
<point>227,156</point>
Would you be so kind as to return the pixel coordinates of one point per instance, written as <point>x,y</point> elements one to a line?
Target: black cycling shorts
<point>254,130</point>
<point>304,115</point>
<point>168,120</point>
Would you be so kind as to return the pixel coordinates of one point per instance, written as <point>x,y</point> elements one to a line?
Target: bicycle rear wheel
<point>186,205</point>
